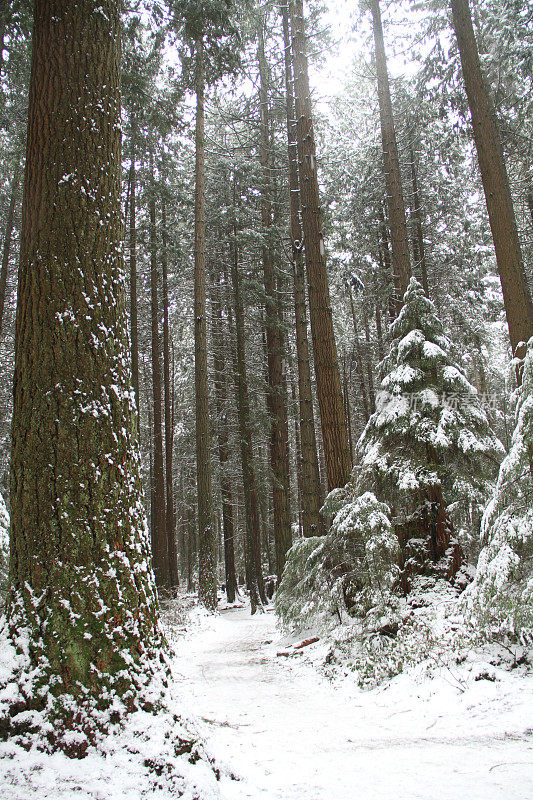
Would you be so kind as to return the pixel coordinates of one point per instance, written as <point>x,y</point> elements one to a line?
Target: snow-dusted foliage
<point>4,550</point>
<point>501,596</point>
<point>429,431</point>
<point>353,568</point>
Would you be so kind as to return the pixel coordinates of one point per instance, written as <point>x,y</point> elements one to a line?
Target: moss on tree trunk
<point>82,594</point>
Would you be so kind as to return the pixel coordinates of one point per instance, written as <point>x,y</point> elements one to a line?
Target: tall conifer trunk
<point>169,486</point>
<point>81,587</point>
<point>401,260</point>
<point>516,296</point>
<point>310,475</point>
<point>207,576</point>
<point>253,530</point>
<point>277,391</point>
<point>159,538</point>
<point>329,390</point>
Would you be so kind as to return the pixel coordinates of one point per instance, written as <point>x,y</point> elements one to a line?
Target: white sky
<point>352,33</point>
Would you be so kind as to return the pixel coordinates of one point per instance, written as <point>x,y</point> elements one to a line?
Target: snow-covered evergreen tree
<point>354,567</point>
<point>501,595</point>
<point>428,449</point>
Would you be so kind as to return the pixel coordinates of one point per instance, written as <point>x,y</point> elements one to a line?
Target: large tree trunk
<point>277,390</point>
<point>516,297</point>
<point>207,565</point>
<point>169,437</point>
<point>328,381</point>
<point>159,536</point>
<point>81,589</point>
<point>6,249</point>
<point>310,476</point>
<point>401,261</point>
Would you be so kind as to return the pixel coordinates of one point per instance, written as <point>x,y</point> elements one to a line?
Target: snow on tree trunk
<point>82,610</point>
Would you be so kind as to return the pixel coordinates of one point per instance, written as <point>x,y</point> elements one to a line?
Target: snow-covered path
<point>291,735</point>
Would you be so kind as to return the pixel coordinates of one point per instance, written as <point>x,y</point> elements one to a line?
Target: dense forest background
<point>251,210</point>
<point>448,233</point>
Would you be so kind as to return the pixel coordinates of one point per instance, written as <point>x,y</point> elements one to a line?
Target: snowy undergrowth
<point>423,635</point>
<point>152,754</point>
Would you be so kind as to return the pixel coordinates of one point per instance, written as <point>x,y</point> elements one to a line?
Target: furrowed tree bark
<point>228,527</point>
<point>401,261</point>
<point>159,537</point>
<point>81,585</point>
<point>169,437</point>
<point>207,575</point>
<point>516,297</point>
<point>277,390</point>
<point>310,475</point>
<point>329,390</point>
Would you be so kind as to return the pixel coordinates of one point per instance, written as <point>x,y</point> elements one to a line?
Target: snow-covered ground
<point>290,734</point>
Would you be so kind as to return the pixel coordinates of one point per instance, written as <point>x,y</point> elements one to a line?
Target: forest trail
<point>290,735</point>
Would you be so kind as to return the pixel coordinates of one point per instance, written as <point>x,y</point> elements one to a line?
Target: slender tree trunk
<point>359,362</point>
<point>401,261</point>
<point>6,250</point>
<point>151,484</point>
<point>516,297</point>
<point>228,527</point>
<point>207,589</point>
<point>329,390</point>
<point>81,592</point>
<point>298,457</point>
<point>2,39</point>
<point>346,397</point>
<point>379,325</point>
<point>420,249</point>
<point>308,466</point>
<point>277,392</point>
<point>169,432</point>
<point>368,361</point>
<point>134,330</point>
<point>192,548</point>
<point>159,538</point>
<point>253,530</point>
